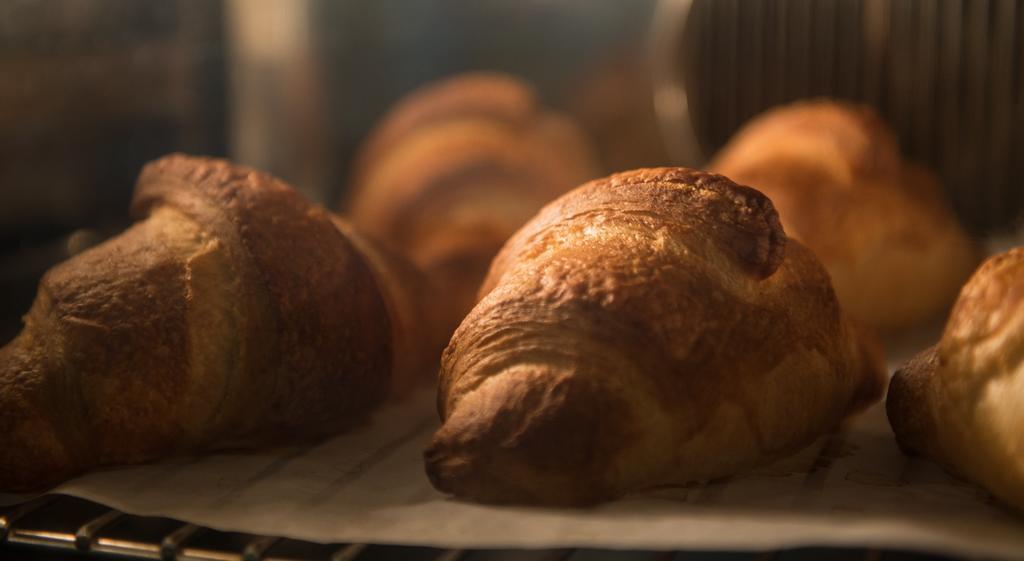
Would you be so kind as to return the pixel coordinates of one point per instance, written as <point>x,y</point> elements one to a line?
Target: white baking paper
<point>853,488</point>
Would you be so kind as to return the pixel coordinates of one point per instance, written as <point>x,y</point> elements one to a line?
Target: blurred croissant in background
<point>454,169</point>
<point>881,226</point>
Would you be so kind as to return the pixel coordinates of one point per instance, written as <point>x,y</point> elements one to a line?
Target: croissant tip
<point>462,474</point>
<point>459,468</point>
<point>438,466</point>
<point>42,457</point>
<point>905,404</point>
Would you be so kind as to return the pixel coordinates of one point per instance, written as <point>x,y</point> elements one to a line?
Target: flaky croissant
<point>961,402</point>
<point>655,327</point>
<point>232,313</point>
<point>455,168</point>
<point>878,223</point>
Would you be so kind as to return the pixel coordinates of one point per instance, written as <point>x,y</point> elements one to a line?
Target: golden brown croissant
<point>655,327</point>
<point>961,402</point>
<point>232,313</point>
<point>878,224</point>
<point>455,168</point>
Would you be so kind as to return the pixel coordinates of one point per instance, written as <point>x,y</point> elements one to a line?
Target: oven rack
<point>54,526</point>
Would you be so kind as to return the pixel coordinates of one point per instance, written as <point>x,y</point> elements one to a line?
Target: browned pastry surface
<point>454,169</point>
<point>412,308</point>
<point>961,402</point>
<point>484,95</point>
<point>878,224</point>
<point>232,313</point>
<point>654,327</point>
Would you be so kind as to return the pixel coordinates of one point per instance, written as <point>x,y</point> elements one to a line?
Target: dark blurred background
<point>90,90</point>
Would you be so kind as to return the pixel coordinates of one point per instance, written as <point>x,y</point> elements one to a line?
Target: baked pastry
<point>613,101</point>
<point>961,402</point>
<point>878,224</point>
<point>413,308</point>
<point>654,327</point>
<point>233,313</point>
<point>454,169</point>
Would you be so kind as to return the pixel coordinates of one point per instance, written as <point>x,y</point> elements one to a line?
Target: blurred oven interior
<point>90,90</point>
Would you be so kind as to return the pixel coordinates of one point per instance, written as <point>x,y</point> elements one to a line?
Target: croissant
<point>961,402</point>
<point>655,327</point>
<point>454,169</point>
<point>232,313</point>
<point>413,311</point>
<point>878,223</point>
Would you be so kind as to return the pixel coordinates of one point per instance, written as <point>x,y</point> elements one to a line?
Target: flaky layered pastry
<point>455,168</point>
<point>232,313</point>
<point>654,327</point>
<point>878,224</point>
<point>961,402</point>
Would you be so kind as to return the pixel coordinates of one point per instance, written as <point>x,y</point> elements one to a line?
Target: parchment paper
<point>853,488</point>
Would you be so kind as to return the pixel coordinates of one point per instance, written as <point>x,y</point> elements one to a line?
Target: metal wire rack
<point>53,526</point>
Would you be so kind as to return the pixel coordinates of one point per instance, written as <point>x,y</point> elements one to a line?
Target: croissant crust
<point>961,402</point>
<point>233,312</point>
<point>454,169</point>
<point>655,327</point>
<point>877,222</point>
